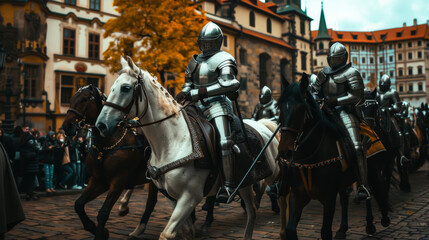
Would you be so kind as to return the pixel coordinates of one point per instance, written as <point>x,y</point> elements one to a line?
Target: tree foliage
<point>160,36</point>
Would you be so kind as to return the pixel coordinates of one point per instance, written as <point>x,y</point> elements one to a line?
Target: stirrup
<point>403,160</point>
<point>224,195</point>
<point>362,190</point>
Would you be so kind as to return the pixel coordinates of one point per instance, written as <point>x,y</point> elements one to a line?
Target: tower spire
<point>323,30</point>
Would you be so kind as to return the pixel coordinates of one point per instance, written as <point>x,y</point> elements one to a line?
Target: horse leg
<point>328,216</point>
<point>92,191</point>
<point>370,227</point>
<point>104,212</point>
<point>152,198</point>
<point>123,203</point>
<point>380,192</point>
<point>296,205</point>
<point>246,194</point>
<point>210,202</point>
<point>403,173</point>
<point>344,199</point>
<point>180,216</point>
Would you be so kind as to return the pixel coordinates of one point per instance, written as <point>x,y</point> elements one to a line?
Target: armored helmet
<point>337,56</point>
<point>265,96</point>
<point>210,39</point>
<point>384,83</point>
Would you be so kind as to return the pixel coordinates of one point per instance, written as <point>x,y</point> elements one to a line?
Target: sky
<point>367,15</point>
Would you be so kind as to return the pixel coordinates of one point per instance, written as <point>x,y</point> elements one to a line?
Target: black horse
<point>312,149</point>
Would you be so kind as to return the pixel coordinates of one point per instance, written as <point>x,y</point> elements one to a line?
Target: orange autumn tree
<point>160,36</point>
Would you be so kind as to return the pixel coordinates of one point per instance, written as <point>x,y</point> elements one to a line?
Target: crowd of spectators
<point>45,162</point>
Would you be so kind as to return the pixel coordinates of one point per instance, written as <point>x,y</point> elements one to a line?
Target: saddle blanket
<point>376,145</point>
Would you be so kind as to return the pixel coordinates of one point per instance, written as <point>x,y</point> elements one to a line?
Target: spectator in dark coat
<point>11,212</point>
<point>74,161</point>
<point>16,162</point>
<point>7,142</point>
<point>49,160</point>
<point>62,154</point>
<point>30,166</point>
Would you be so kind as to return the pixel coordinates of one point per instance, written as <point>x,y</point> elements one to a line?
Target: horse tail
<point>271,126</point>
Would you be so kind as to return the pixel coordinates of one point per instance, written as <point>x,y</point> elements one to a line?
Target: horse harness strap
<point>197,153</point>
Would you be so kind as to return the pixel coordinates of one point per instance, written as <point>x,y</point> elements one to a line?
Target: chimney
<point>415,21</point>
<point>405,24</point>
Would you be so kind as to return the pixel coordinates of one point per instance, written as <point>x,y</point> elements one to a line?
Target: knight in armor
<point>391,105</point>
<point>342,87</point>
<point>266,108</point>
<point>211,83</point>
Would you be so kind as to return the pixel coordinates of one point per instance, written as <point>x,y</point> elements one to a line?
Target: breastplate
<point>385,101</point>
<point>335,87</point>
<point>204,76</point>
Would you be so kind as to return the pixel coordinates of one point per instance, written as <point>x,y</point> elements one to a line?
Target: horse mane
<point>166,102</point>
<point>293,93</point>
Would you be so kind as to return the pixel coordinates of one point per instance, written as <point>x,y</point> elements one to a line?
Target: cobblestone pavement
<point>54,218</point>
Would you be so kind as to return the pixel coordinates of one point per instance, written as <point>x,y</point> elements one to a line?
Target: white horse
<point>135,93</point>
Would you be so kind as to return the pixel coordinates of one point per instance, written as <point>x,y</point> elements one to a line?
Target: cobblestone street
<point>54,218</point>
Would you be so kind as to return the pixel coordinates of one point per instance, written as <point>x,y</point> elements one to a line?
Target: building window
<point>92,81</point>
<point>71,2</point>
<point>399,34</point>
<point>381,74</point>
<point>410,87</point>
<point>94,4</point>
<point>390,46</point>
<point>419,54</point>
<point>368,37</point>
<point>363,60</point>
<point>225,41</point>
<point>243,56</point>
<point>340,36</point>
<point>410,71</point>
<point>419,70</point>
<point>400,44</point>
<point>303,61</point>
<point>68,41</point>
<point>401,88</point>
<point>32,83</point>
<point>410,44</point>
<point>269,25</point>
<point>391,73</point>
<point>381,59</point>
<point>399,56</point>
<point>420,87</point>
<point>302,23</point>
<point>315,62</point>
<point>243,83</point>
<point>390,58</point>
<point>363,75</point>
<point>321,46</point>
<point>94,46</point>
<point>363,47</point>
<point>410,55</point>
<point>371,60</point>
<point>419,43</point>
<point>66,89</point>
<point>400,72</point>
<point>252,19</point>
<point>355,60</point>
<point>354,36</point>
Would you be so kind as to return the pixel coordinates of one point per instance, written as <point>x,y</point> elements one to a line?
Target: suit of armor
<point>266,108</point>
<point>210,77</point>
<point>342,86</point>
<point>391,104</point>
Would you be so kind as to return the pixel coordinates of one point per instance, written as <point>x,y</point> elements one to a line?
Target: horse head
<point>85,105</point>
<point>134,94</point>
<point>294,114</point>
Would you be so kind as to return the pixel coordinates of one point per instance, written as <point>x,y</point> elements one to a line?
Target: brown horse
<point>314,166</point>
<point>113,165</point>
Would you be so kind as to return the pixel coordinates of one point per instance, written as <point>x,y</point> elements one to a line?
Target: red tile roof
<point>261,36</point>
<point>390,35</point>
<point>264,7</point>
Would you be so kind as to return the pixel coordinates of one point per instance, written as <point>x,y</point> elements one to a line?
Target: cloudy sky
<point>367,15</point>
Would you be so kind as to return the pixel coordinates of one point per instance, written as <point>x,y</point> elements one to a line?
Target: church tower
<point>321,44</point>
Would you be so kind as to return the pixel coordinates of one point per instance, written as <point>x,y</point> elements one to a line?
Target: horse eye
<point>125,88</point>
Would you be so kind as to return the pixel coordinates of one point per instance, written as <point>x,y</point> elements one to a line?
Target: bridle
<point>81,117</point>
<point>139,91</point>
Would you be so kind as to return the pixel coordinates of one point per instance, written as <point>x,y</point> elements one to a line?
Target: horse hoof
<point>340,235</point>
<point>370,229</point>
<point>385,222</point>
<point>122,213</point>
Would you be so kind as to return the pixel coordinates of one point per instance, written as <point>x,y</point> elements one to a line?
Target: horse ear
<point>303,85</point>
<point>123,63</point>
<point>132,65</point>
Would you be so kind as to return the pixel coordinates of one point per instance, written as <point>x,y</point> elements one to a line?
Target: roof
<point>389,35</point>
<point>323,30</point>
<point>264,7</point>
<point>289,8</point>
<point>264,37</point>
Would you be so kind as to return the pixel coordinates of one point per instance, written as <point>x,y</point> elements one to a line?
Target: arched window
<point>264,70</point>
<point>269,25</point>
<point>252,19</point>
<point>321,46</point>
